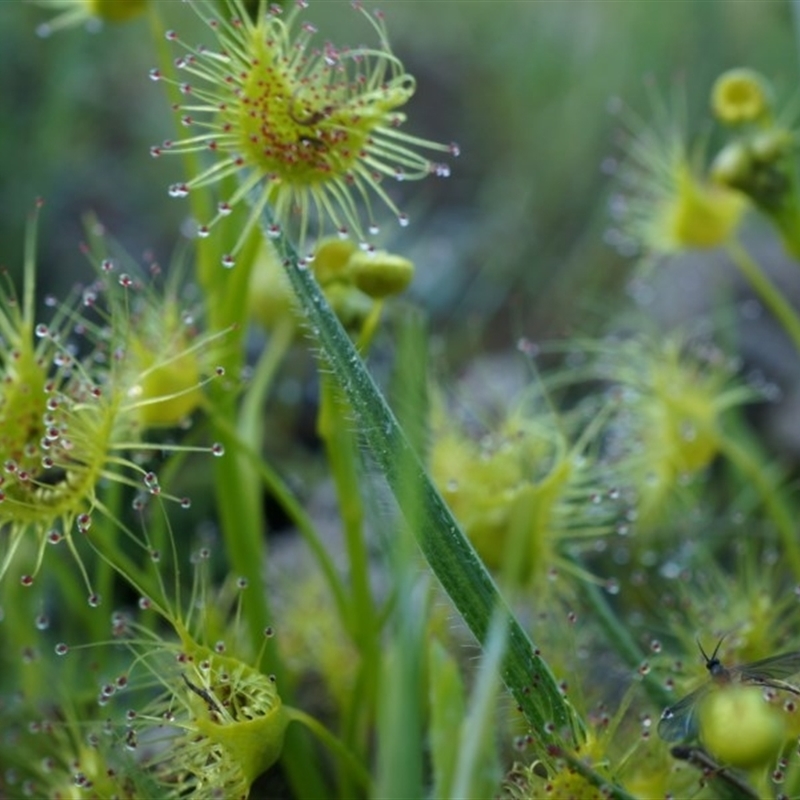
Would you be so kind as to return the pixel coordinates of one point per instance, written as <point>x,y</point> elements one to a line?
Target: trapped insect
<point>679,722</point>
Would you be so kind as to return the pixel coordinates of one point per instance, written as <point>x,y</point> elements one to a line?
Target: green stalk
<point>361,621</point>
<point>356,769</point>
<point>288,502</point>
<point>241,514</point>
<point>782,515</point>
<point>342,458</point>
<point>400,728</point>
<point>767,291</point>
<point>251,414</point>
<point>444,545</point>
<point>477,746</point>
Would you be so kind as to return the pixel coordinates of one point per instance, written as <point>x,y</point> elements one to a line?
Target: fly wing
<point>678,723</point>
<point>777,667</point>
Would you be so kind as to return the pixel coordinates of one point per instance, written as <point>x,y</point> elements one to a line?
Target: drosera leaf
<point>444,545</point>
<point>447,710</point>
<point>478,772</point>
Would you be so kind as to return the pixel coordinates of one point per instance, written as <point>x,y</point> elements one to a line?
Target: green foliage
<point>490,586</point>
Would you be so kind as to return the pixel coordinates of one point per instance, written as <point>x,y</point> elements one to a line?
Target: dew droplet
<point>178,190</point>
<point>228,261</point>
<point>61,649</point>
<point>217,449</point>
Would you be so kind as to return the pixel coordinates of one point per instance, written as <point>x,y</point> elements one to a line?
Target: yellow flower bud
<point>740,95</point>
<point>330,260</point>
<point>165,369</point>
<point>169,388</point>
<point>380,274</point>
<point>772,145</point>
<point>270,297</point>
<point>733,165</point>
<point>740,728</point>
<point>116,10</point>
<point>351,305</point>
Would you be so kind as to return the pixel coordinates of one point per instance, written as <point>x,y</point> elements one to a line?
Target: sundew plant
<point>266,530</point>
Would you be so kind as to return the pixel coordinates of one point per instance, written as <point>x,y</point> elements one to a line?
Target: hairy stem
<point>444,545</point>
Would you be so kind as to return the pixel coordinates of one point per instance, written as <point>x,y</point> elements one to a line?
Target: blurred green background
<point>511,244</point>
